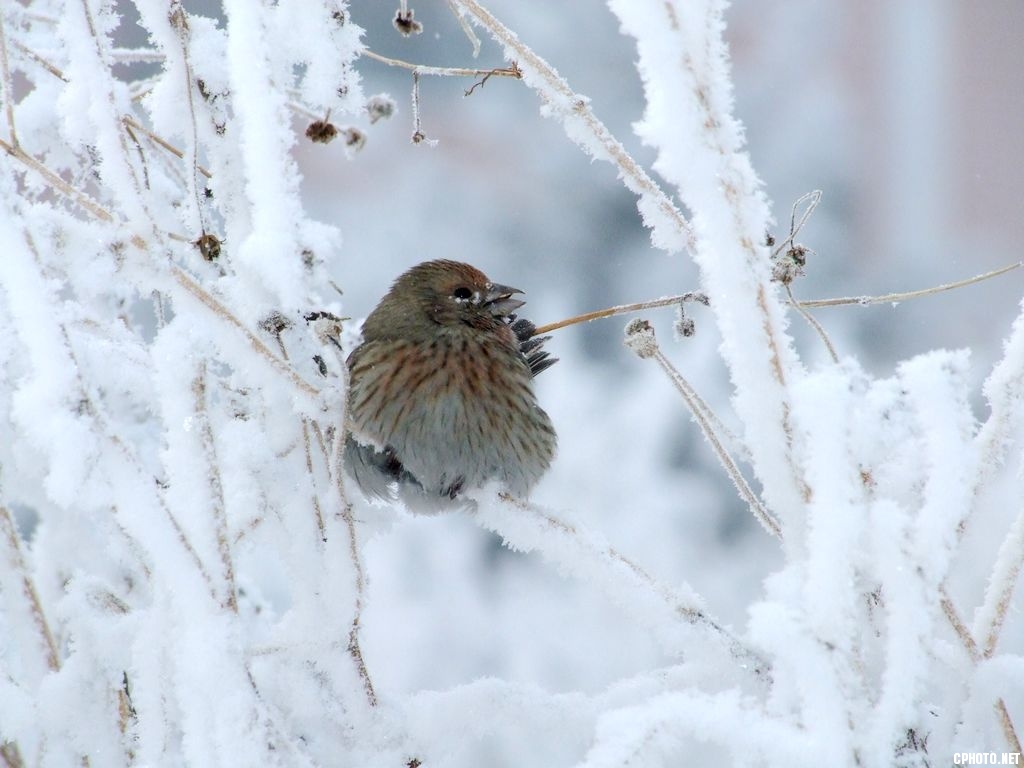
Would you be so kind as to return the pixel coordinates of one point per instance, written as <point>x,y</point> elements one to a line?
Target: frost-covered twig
<point>86,57</point>
<point>467,30</point>
<point>178,20</point>
<point>812,321</point>
<point>57,183</point>
<point>527,527</point>
<point>640,338</point>
<point>812,199</point>
<point>622,309</point>
<point>417,134</point>
<point>335,463</point>
<point>220,523</point>
<point>511,71</point>
<point>136,125</point>
<point>891,298</point>
<point>186,281</point>
<point>958,625</point>
<point>25,50</point>
<point>17,565</point>
<point>668,301</point>
<point>669,228</point>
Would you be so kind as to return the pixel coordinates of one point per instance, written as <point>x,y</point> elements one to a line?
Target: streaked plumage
<point>440,392</point>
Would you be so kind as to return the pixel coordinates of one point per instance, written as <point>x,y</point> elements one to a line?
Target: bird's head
<point>441,293</point>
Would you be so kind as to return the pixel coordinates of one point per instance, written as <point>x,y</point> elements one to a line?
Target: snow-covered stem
<point>1002,391</point>
<point>57,183</point>
<point>583,127</point>
<point>958,625</point>
<point>193,288</point>
<point>49,67</point>
<point>716,181</point>
<point>988,621</point>
<point>220,524</point>
<point>135,125</point>
<point>178,20</point>
<point>1009,731</point>
<point>641,339</point>
<point>527,527</point>
<point>6,85</point>
<point>16,565</point>
<point>706,421</point>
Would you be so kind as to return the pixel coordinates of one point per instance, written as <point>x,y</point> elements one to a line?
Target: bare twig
<point>480,83</point>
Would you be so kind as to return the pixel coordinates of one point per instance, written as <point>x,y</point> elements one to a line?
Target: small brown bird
<point>440,391</point>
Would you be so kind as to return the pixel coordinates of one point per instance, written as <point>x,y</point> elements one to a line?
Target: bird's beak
<point>499,301</point>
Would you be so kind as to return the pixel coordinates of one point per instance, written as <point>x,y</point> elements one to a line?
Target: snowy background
<point>168,596</point>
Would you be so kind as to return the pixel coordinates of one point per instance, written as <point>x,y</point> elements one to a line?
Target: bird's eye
<point>462,293</point>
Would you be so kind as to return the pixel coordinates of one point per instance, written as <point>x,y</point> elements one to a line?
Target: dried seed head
<point>275,323</point>
<point>640,338</point>
<point>788,266</point>
<point>208,245</point>
<point>321,132</point>
<point>380,107</point>
<point>684,326</point>
<point>405,23</point>
<point>354,139</point>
